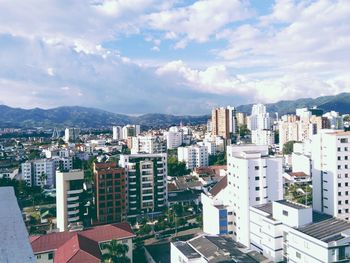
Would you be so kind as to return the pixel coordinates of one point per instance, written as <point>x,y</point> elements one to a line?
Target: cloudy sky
<point>171,56</point>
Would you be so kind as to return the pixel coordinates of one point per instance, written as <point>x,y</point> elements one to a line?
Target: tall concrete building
<point>259,119</point>
<point>71,134</point>
<point>69,187</point>
<point>174,137</point>
<point>224,122</point>
<point>330,173</point>
<point>117,133</point>
<point>148,144</point>
<point>254,178</point>
<point>130,131</point>
<point>146,182</point>
<point>40,172</point>
<point>194,156</point>
<point>110,192</point>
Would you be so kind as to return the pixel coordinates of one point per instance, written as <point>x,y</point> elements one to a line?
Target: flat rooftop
<point>14,245</point>
<point>186,249</point>
<point>267,208</point>
<point>220,249</point>
<point>327,230</point>
<point>292,204</point>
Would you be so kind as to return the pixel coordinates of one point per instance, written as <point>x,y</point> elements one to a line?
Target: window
<point>257,188</point>
<point>338,149</point>
<point>50,256</point>
<point>339,211</point>
<point>256,168</point>
<point>257,178</point>
<point>344,140</point>
<point>339,184</point>
<point>339,202</point>
<point>297,254</point>
<point>339,158</point>
<point>257,199</point>
<point>285,213</point>
<point>339,167</point>
<point>339,193</point>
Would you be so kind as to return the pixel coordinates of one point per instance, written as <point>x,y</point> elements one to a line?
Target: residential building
<point>205,248</point>
<point>174,137</point>
<point>215,144</point>
<point>194,156</point>
<point>69,187</point>
<point>330,173</point>
<point>290,232</point>
<point>301,158</point>
<point>335,120</point>
<point>241,118</point>
<point>148,144</point>
<point>259,119</point>
<point>130,131</point>
<point>71,134</point>
<point>40,172</point>
<point>81,246</point>
<point>254,178</point>
<point>146,179</point>
<point>117,133</point>
<point>263,137</point>
<point>224,122</point>
<point>288,130</point>
<point>110,192</point>
<point>14,245</point>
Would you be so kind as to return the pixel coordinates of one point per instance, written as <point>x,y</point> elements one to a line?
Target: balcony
<point>73,219</point>
<point>73,198</point>
<point>74,212</point>
<point>73,192</point>
<point>73,205</point>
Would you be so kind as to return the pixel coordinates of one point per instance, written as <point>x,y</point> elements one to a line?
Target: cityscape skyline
<point>88,53</point>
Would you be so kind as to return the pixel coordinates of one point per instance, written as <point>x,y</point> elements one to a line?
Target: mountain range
<point>95,118</point>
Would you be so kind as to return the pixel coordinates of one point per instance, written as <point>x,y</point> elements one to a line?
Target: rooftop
<point>14,245</point>
<point>186,249</point>
<point>298,174</point>
<point>219,186</point>
<point>220,249</point>
<point>292,204</point>
<point>160,253</point>
<point>327,230</point>
<point>267,208</point>
<point>97,234</point>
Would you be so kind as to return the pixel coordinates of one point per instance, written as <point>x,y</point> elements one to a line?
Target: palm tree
<point>116,253</point>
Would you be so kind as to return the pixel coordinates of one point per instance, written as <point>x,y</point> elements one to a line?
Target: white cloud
<point>198,21</point>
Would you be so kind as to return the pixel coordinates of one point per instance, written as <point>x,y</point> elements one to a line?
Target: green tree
<point>288,147</point>
<point>116,253</point>
<point>176,168</point>
<point>243,130</point>
<point>144,230</point>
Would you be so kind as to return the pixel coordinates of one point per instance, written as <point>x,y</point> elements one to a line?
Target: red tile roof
<point>219,186</point>
<point>78,249</point>
<point>80,246</point>
<point>298,174</point>
<point>108,232</point>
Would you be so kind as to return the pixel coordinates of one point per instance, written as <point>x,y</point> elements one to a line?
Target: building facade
<point>146,180</point>
<point>194,156</point>
<point>69,187</point>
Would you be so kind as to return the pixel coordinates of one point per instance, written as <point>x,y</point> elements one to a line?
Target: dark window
<point>285,213</point>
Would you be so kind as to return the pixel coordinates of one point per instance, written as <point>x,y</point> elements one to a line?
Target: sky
<point>171,56</point>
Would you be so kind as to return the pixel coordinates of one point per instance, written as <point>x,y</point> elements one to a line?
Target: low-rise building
<point>81,246</point>
<point>291,232</point>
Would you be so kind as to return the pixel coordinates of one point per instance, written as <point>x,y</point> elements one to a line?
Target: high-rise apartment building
<point>110,192</point>
<point>263,137</point>
<point>130,131</point>
<point>69,187</point>
<point>71,134</point>
<point>331,173</point>
<point>39,172</point>
<point>174,137</point>
<point>146,182</point>
<point>259,119</point>
<point>224,122</point>
<point>194,156</point>
<point>148,144</point>
<point>117,133</point>
<point>254,178</point>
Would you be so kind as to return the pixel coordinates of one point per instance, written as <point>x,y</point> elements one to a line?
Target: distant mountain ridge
<point>84,117</point>
<point>340,103</point>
